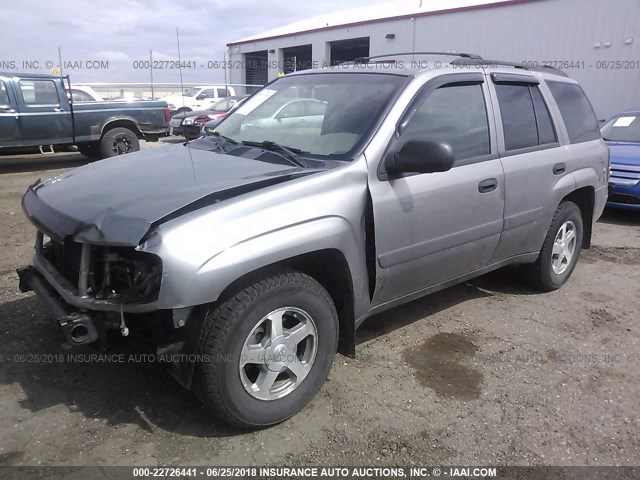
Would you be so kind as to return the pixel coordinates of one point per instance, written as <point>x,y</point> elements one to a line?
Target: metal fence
<point>150,91</point>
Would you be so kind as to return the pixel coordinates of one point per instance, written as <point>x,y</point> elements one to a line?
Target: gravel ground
<point>487,372</point>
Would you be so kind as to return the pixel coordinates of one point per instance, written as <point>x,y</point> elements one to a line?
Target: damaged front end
<point>89,288</point>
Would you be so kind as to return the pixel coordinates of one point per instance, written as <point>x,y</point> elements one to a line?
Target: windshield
<point>317,114</point>
<point>624,128</point>
<point>191,92</point>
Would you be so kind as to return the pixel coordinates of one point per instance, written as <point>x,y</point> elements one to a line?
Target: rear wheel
<point>560,250</point>
<point>118,141</point>
<point>267,350</point>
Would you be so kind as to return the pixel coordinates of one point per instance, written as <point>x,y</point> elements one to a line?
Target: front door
<point>431,228</point>
<point>9,119</point>
<point>45,116</point>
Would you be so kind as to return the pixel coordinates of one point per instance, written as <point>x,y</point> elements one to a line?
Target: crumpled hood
<point>115,201</point>
<point>624,153</point>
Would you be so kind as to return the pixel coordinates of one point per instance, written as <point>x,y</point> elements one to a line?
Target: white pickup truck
<point>198,98</point>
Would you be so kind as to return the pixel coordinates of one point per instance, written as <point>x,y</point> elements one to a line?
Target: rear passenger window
<point>546,131</point>
<point>526,121</point>
<point>518,116</point>
<point>577,113</point>
<point>455,114</point>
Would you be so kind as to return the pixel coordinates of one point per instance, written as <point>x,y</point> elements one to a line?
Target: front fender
<point>188,284</point>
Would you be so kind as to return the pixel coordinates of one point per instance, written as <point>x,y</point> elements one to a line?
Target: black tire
<point>226,327</point>
<point>541,274</point>
<point>183,110</point>
<point>118,141</point>
<point>90,150</point>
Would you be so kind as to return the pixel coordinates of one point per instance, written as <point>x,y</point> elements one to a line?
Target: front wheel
<point>267,350</point>
<point>560,250</point>
<point>119,141</point>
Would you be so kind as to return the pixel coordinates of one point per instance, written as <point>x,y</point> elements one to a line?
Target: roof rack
<point>484,61</point>
<point>402,54</point>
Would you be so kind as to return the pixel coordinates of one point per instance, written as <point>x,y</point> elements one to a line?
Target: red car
<point>189,124</point>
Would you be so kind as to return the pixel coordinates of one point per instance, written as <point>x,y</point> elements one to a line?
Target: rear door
<point>532,160</point>
<point>45,116</point>
<point>431,228</point>
<point>9,117</point>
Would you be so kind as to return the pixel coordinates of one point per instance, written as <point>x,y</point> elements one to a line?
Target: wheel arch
<point>329,267</point>
<point>127,123</point>
<point>584,198</point>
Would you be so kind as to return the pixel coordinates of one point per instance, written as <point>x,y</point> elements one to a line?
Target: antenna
<point>180,66</point>
<point>153,97</point>
<point>60,60</point>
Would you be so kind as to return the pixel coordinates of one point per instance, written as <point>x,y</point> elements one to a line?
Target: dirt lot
<point>487,372</point>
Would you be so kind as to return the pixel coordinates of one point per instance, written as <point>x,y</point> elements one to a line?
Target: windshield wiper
<point>222,137</point>
<point>290,154</point>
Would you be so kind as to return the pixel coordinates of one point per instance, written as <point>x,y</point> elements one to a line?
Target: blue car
<point>622,134</point>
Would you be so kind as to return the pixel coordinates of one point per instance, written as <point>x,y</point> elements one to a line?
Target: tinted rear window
<point>518,116</point>
<point>577,113</point>
<point>546,130</point>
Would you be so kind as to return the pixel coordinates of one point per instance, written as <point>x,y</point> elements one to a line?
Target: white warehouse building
<point>596,42</point>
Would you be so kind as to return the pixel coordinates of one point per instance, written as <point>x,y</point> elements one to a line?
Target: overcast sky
<point>123,31</point>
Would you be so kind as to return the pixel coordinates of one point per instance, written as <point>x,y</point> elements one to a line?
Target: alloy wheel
<point>278,353</point>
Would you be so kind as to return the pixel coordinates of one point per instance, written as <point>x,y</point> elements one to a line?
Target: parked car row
<point>198,98</point>
<point>40,111</point>
<point>622,134</point>
<point>190,124</point>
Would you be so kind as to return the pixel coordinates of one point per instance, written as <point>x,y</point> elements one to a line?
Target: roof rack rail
<point>486,61</point>
<point>401,54</point>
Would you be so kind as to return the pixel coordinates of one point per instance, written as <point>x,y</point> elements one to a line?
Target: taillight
<point>203,119</point>
<point>167,114</point>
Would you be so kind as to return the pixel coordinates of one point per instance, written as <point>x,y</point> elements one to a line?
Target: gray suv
<point>249,256</point>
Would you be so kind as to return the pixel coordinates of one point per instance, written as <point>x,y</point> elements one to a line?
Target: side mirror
<point>201,97</point>
<point>420,156</point>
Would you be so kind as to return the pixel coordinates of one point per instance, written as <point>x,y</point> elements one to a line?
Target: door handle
<point>488,185</point>
<point>9,110</point>
<point>58,109</point>
<point>559,168</point>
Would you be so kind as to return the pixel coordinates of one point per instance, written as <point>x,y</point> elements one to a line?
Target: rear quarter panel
<point>587,166</point>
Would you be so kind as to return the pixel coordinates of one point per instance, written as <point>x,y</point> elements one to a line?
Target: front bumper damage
<point>78,328</point>
<point>84,317</point>
<point>73,307</point>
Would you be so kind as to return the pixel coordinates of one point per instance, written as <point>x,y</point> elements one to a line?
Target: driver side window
<point>455,114</point>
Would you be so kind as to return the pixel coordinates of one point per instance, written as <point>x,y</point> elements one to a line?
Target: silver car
<point>251,255</point>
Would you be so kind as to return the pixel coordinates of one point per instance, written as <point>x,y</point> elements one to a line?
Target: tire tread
<point>218,324</point>
<point>534,272</point>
